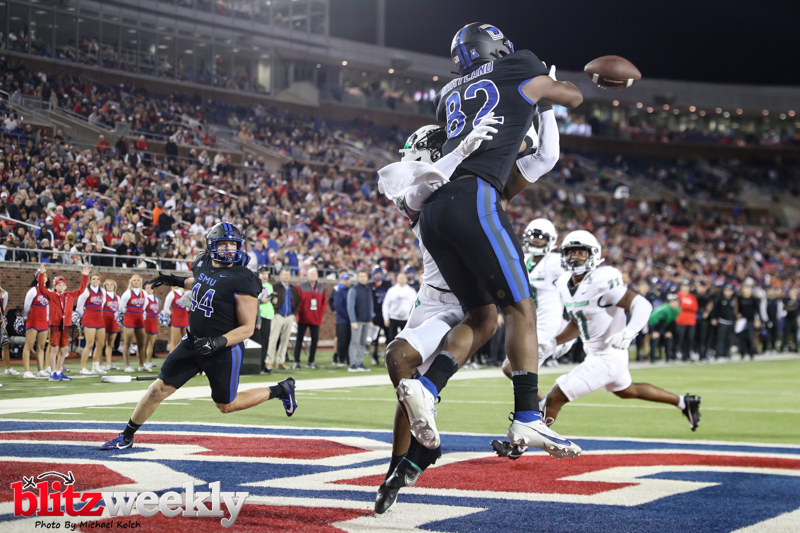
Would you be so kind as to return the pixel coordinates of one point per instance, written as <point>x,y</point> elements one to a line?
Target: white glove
<point>552,72</point>
<point>547,348</point>
<point>482,132</point>
<point>435,183</point>
<point>621,340</point>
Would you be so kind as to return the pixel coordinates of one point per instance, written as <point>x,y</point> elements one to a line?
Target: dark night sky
<point>729,41</point>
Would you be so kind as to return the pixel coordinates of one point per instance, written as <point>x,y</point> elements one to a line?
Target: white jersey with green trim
<point>430,272</point>
<point>593,306</point>
<point>542,277</point>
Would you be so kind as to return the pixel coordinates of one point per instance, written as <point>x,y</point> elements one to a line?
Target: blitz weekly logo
<point>37,497</point>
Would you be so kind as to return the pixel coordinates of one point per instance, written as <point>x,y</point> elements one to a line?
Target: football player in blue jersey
<point>469,235</point>
<point>222,315</point>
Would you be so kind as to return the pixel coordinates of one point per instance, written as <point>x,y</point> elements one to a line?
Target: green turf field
<point>741,402</point>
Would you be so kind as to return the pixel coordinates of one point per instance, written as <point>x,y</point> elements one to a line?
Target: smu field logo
<point>325,480</point>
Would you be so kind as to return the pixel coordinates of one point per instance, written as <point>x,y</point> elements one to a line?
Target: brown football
<point>612,72</point>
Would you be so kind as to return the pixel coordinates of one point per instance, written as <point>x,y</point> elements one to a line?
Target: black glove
<point>205,346</point>
<point>169,280</point>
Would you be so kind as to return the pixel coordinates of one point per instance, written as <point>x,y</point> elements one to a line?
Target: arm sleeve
<point>448,164</point>
<point>714,311</point>
<point>654,317</point>
<point>351,305</point>
<point>80,306</point>
<point>168,302</point>
<point>31,294</point>
<point>640,313</point>
<point>40,279</point>
<point>536,165</point>
<point>762,309</point>
<point>82,288</point>
<point>415,196</point>
<point>385,305</point>
<point>123,301</point>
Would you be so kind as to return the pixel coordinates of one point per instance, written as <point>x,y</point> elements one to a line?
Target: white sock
<point>682,403</point>
<point>541,403</point>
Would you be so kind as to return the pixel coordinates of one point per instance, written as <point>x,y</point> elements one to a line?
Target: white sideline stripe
<point>637,405</point>
<point>52,413</point>
<point>75,401</point>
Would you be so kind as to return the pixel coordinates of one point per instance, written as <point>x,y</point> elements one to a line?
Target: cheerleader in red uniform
<point>178,317</point>
<point>37,326</point>
<point>150,325</point>
<point>90,307</point>
<point>110,308</point>
<point>131,307</point>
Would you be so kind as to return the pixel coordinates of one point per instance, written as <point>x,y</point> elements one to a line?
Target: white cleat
<point>419,404</point>
<point>29,375</point>
<point>538,435</point>
<point>129,369</point>
<point>86,372</point>
<point>43,374</point>
<point>12,372</point>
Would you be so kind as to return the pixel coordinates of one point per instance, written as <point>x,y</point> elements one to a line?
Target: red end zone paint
<point>544,475</point>
<point>253,518</point>
<point>87,477</point>
<point>283,448</point>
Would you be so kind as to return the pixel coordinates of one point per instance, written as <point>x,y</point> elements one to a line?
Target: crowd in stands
<point>126,201</point>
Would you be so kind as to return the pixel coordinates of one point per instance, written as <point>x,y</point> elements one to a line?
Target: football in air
<point>612,72</point>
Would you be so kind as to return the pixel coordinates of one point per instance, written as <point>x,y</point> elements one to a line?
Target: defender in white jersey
<point>596,300</point>
<point>544,268</point>
<point>436,310</point>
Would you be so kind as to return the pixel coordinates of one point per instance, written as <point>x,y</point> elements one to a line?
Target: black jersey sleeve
<point>524,65</point>
<point>198,260</point>
<point>247,282</point>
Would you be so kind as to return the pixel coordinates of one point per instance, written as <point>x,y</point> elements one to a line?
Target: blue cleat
<point>64,377</point>
<point>117,443</point>
<point>288,397</point>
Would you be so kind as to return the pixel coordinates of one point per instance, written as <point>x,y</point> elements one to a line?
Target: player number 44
<point>204,303</point>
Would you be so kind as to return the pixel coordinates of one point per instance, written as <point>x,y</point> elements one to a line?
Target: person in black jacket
<point>379,288</point>
<point>127,249</point>
<point>337,301</point>
<point>723,317</point>
<point>748,308</point>
<point>705,303</point>
<point>771,313</point>
<point>791,306</point>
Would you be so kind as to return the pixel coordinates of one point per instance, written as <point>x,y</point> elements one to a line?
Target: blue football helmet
<point>226,232</point>
<point>478,43</point>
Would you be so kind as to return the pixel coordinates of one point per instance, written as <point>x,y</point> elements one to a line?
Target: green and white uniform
<point>593,308</point>
<point>542,277</point>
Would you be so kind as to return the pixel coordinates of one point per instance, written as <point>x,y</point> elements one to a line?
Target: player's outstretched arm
<point>640,310</point>
<point>559,92</point>
<point>568,334</point>
<point>532,167</point>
